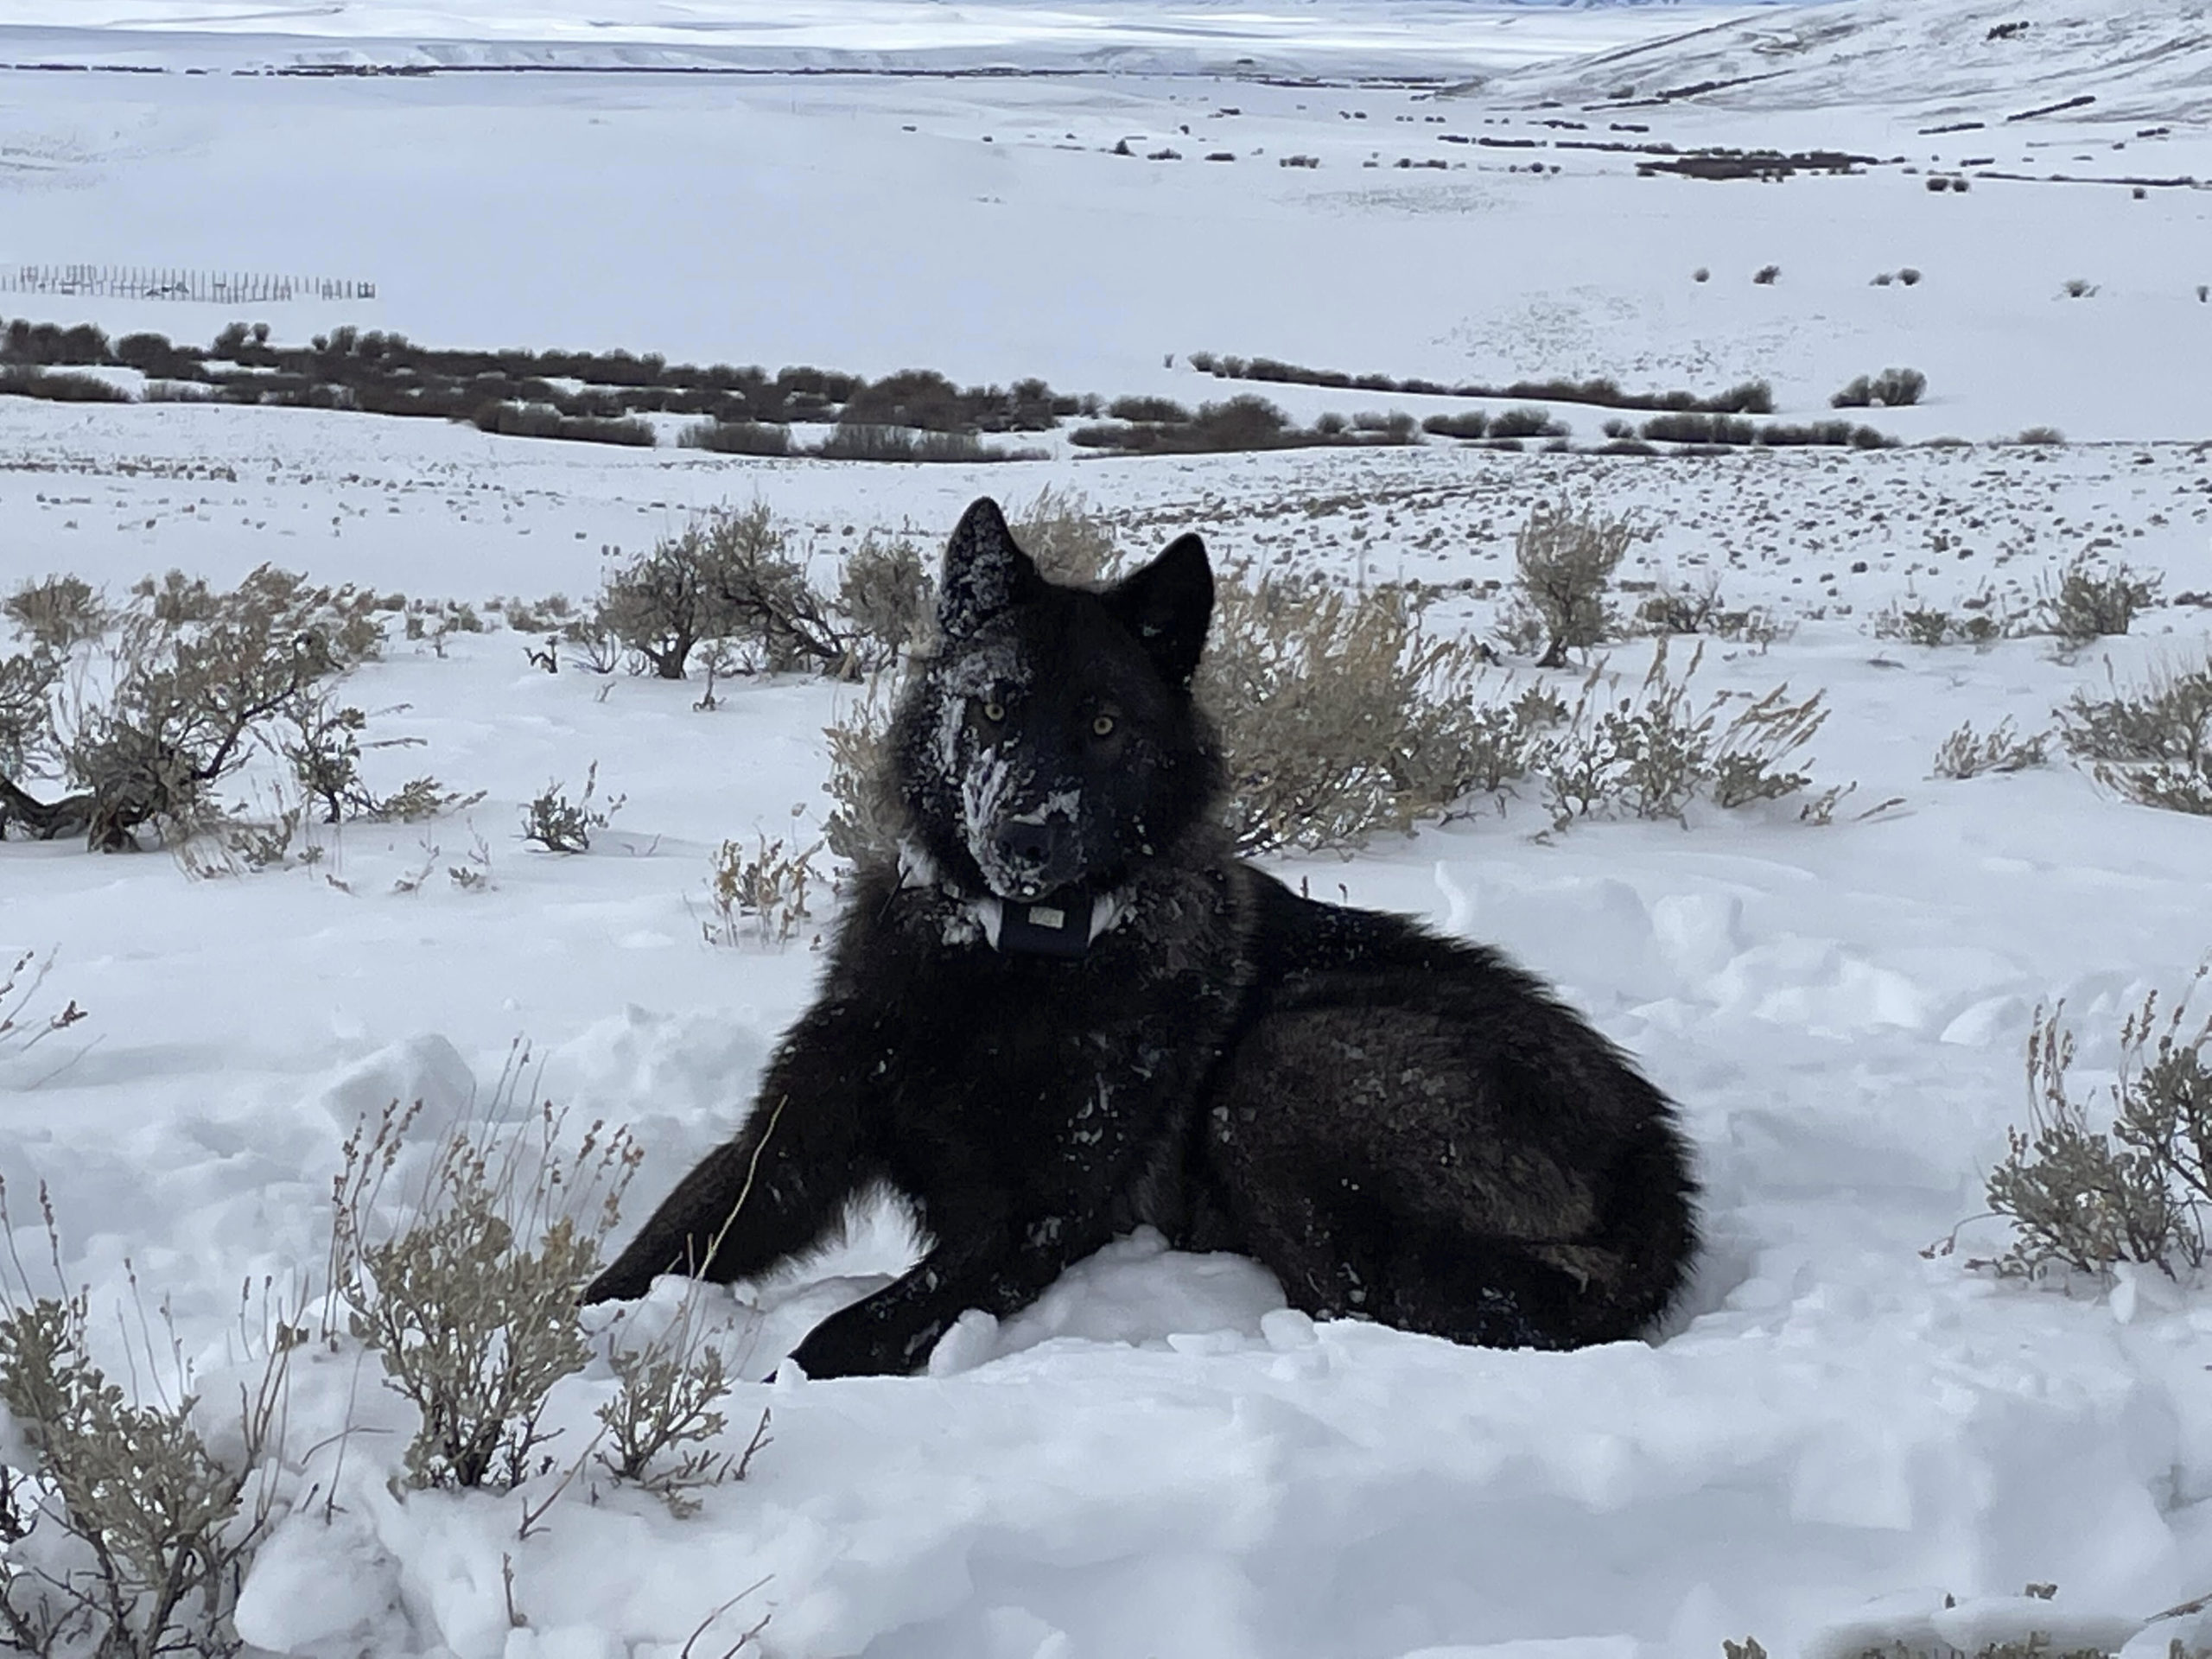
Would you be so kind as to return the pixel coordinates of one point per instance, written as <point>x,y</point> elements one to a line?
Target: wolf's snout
<point>1025,849</point>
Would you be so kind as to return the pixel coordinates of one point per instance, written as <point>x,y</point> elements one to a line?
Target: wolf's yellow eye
<point>994,710</point>
<point>1102,725</point>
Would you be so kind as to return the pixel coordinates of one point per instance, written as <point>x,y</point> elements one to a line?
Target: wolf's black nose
<point>1027,845</point>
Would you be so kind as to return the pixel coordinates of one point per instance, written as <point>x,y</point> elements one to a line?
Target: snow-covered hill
<point>2112,61</point>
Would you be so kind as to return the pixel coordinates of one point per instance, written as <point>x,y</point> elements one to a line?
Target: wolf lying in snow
<point>1067,1009</point>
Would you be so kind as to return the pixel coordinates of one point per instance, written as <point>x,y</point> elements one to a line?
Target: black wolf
<point>1066,1009</point>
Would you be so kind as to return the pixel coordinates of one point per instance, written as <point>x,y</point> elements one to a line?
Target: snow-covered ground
<point>1837,1433</point>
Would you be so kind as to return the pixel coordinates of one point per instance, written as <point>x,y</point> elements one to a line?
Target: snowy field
<point>1838,1442</point>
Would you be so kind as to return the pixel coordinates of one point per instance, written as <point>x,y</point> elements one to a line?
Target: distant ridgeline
<point>913,415</point>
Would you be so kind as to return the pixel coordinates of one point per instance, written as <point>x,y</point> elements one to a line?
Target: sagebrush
<point>1340,718</point>
<point>865,818</point>
<point>558,824</point>
<point>887,595</point>
<point>729,589</point>
<point>166,700</point>
<point>2090,1183</point>
<point>323,740</point>
<point>122,1533</point>
<point>2149,743</point>
<point>467,1295</point>
<point>1564,557</point>
<point>1070,539</point>
<point>2092,599</point>
<point>1966,753</point>
<point>1701,609</point>
<point>760,894</point>
<point>1891,388</point>
<point>727,575</point>
<point>1648,751</point>
<point>57,612</point>
<point>1977,622</point>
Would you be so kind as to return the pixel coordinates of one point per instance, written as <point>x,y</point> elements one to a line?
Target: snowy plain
<point>1836,1439</point>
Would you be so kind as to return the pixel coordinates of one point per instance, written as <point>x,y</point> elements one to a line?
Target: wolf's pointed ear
<point>984,572</point>
<point>1167,606</point>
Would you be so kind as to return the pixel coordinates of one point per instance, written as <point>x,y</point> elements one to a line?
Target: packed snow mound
<point>1978,60</point>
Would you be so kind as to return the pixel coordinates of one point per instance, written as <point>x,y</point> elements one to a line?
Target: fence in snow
<point>147,283</point>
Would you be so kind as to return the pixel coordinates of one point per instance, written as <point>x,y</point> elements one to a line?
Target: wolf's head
<point>1051,740</point>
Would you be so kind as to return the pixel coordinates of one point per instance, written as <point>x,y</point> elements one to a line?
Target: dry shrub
<point>1695,428</point>
<point>737,438</point>
<point>18,380</point>
<point>548,615</point>
<point>249,842</point>
<point>57,613</point>
<point>767,605</point>
<point>2093,601</point>
<point>598,647</point>
<point>728,583</point>
<point>2088,1196</point>
<point>661,1429</point>
<point>1964,754</point>
<point>542,421</point>
<point>1525,422</point>
<point>436,622</point>
<point>1159,411</point>
<point>663,602</point>
<point>729,578</point>
<point>1891,388</point>
<point>1564,557</point>
<point>1979,623</point>
<point>189,683</point>
<point>727,575</point>
<point>2151,744</point>
<point>1243,422</point>
<point>469,1298</point>
<point>559,825</point>
<point>865,818</point>
<point>1070,540</point>
<point>760,895</point>
<point>323,740</point>
<point>1465,423</point>
<point>1649,752</point>
<point>122,1533</point>
<point>27,739</point>
<point>886,595</point>
<point>21,982</point>
<point>1702,610</point>
<point>1339,718</point>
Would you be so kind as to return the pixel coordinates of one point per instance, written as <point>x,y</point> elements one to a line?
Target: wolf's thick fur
<point>1402,1127</point>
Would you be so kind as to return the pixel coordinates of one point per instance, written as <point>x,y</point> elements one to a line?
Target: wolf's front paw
<point>620,1283</point>
<point>855,1343</point>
